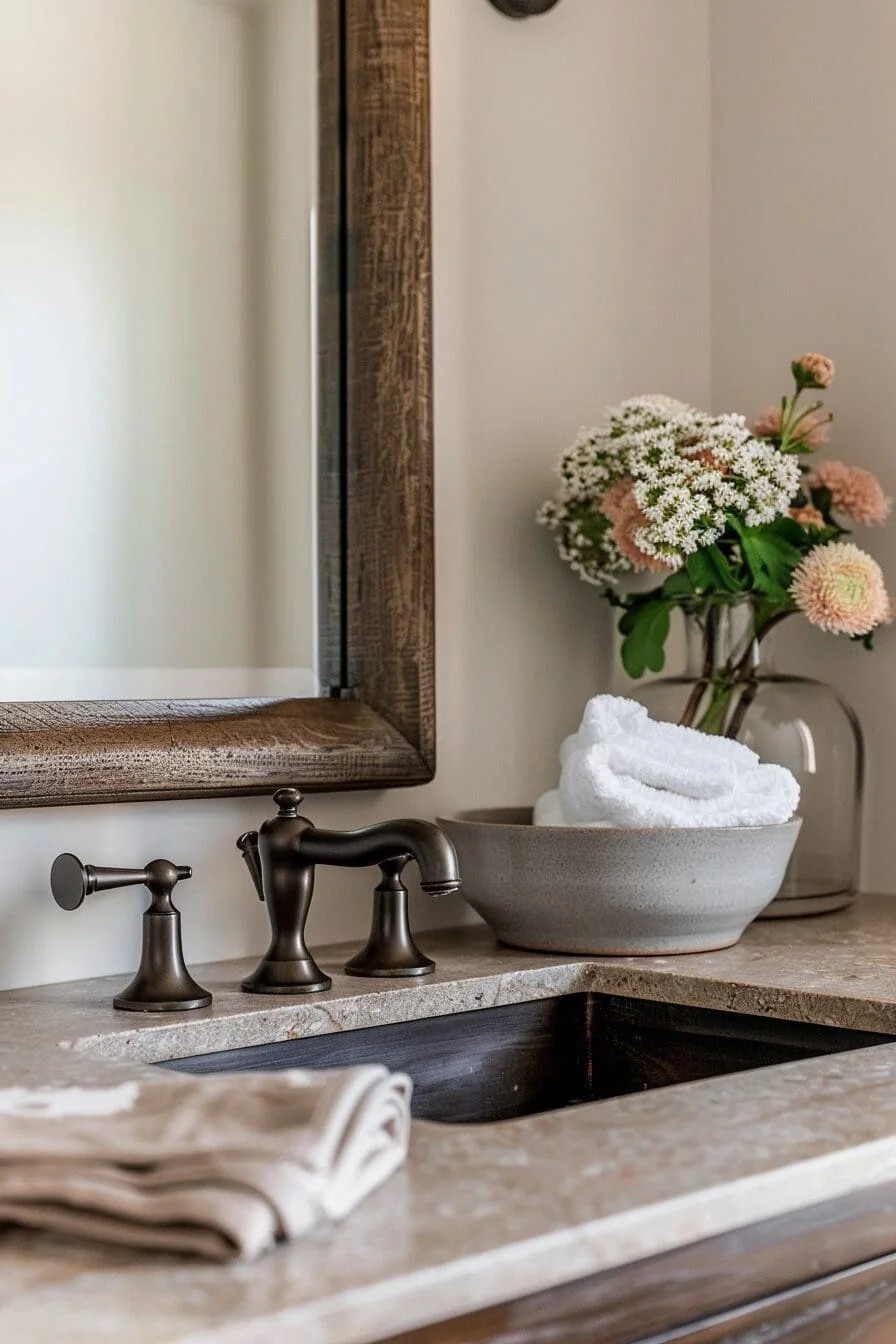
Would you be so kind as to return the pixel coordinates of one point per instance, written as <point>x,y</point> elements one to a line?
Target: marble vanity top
<point>487,1212</point>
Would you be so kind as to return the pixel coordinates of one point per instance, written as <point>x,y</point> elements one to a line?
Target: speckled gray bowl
<point>617,892</point>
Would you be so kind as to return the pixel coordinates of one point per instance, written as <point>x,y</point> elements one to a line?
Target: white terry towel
<point>623,769</point>
<point>700,765</point>
<point>548,811</point>
<point>222,1167</point>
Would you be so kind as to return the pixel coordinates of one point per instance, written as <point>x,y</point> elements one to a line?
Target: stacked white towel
<point>623,769</point>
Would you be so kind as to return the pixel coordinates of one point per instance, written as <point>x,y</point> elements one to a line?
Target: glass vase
<point>729,687</point>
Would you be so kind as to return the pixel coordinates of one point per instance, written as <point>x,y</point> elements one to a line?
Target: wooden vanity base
<point>825,1275</point>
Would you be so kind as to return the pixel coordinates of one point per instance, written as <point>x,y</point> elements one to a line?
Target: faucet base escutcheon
<point>390,949</point>
<point>287,977</point>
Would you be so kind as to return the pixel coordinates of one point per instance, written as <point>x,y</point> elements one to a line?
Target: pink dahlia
<point>810,433</point>
<point>813,370</point>
<point>841,589</point>
<point>624,512</point>
<point>808,516</point>
<point>854,491</point>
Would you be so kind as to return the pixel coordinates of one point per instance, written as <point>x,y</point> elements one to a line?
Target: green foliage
<point>645,629</point>
<point>771,553</point>
<point>593,526</point>
<point>822,499</point>
<point>677,585</point>
<point>710,571</point>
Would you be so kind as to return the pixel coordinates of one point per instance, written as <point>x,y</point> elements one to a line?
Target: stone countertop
<point>487,1212</point>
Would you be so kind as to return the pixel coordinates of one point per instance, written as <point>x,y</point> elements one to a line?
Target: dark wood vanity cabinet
<point>825,1275</point>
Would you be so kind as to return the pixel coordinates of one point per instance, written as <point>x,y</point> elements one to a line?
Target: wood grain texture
<point>856,1306</point>
<point>383,734</point>
<point>389,602</point>
<point>804,1278</point>
<point>80,752</point>
<point>330,372</point>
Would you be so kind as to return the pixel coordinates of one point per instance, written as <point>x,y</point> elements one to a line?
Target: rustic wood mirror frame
<point>377,729</point>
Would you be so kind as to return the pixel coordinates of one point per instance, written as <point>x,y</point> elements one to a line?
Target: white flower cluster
<point>686,470</point>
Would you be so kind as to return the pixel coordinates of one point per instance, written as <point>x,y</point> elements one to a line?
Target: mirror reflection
<point>157,286</point>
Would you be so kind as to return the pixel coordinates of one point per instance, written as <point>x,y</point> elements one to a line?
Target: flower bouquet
<point>705,512</point>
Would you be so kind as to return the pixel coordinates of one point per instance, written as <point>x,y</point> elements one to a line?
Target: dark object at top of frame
<point>523,9</point>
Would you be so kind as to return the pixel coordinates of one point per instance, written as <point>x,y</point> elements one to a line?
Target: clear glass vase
<point>729,687</point>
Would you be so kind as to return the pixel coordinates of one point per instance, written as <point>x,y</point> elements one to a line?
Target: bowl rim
<point>468,818</point>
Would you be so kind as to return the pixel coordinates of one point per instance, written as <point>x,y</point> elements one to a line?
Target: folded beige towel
<point>222,1167</point>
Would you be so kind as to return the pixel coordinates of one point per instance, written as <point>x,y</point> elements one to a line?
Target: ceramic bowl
<point>613,891</point>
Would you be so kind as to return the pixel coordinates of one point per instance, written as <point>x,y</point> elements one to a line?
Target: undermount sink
<point>500,1063</point>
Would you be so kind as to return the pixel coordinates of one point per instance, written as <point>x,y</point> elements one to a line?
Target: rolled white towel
<point>612,718</point>
<point>685,772</point>
<point>568,745</point>
<point>624,769</point>
<point>547,810</point>
<point>592,793</point>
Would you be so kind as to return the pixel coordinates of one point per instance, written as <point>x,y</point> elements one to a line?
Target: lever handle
<point>162,983</point>
<point>247,844</point>
<point>71,880</point>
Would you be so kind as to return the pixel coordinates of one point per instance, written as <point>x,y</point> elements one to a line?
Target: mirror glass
<point>157,348</point>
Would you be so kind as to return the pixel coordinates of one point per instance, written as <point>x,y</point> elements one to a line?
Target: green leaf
<point>724,574</point>
<point>700,571</point>
<point>629,619</point>
<point>646,628</point>
<point>785,530</point>
<point>677,585</point>
<point>710,571</point>
<point>772,554</point>
<point>822,499</point>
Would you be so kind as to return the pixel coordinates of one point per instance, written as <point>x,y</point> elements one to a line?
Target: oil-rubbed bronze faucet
<point>162,983</point>
<point>281,858</point>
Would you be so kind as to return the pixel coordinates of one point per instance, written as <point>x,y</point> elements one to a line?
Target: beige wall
<point>804,200</point>
<point>571,159</point>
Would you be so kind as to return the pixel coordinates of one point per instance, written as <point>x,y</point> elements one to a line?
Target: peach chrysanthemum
<point>810,432</point>
<point>622,509</point>
<point>841,589</point>
<point>808,516</point>
<point>855,492</point>
<point>813,370</point>
<point>615,497</point>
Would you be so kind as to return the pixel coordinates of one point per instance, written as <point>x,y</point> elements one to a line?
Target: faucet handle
<point>71,880</point>
<point>247,844</point>
<point>162,982</point>
<point>289,801</point>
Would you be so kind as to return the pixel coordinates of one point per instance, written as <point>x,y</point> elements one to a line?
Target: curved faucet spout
<point>430,847</point>
<point>281,857</point>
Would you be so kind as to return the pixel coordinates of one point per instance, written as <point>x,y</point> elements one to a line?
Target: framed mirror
<point>215,398</point>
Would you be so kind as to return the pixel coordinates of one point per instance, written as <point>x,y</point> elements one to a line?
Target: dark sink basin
<point>498,1063</point>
